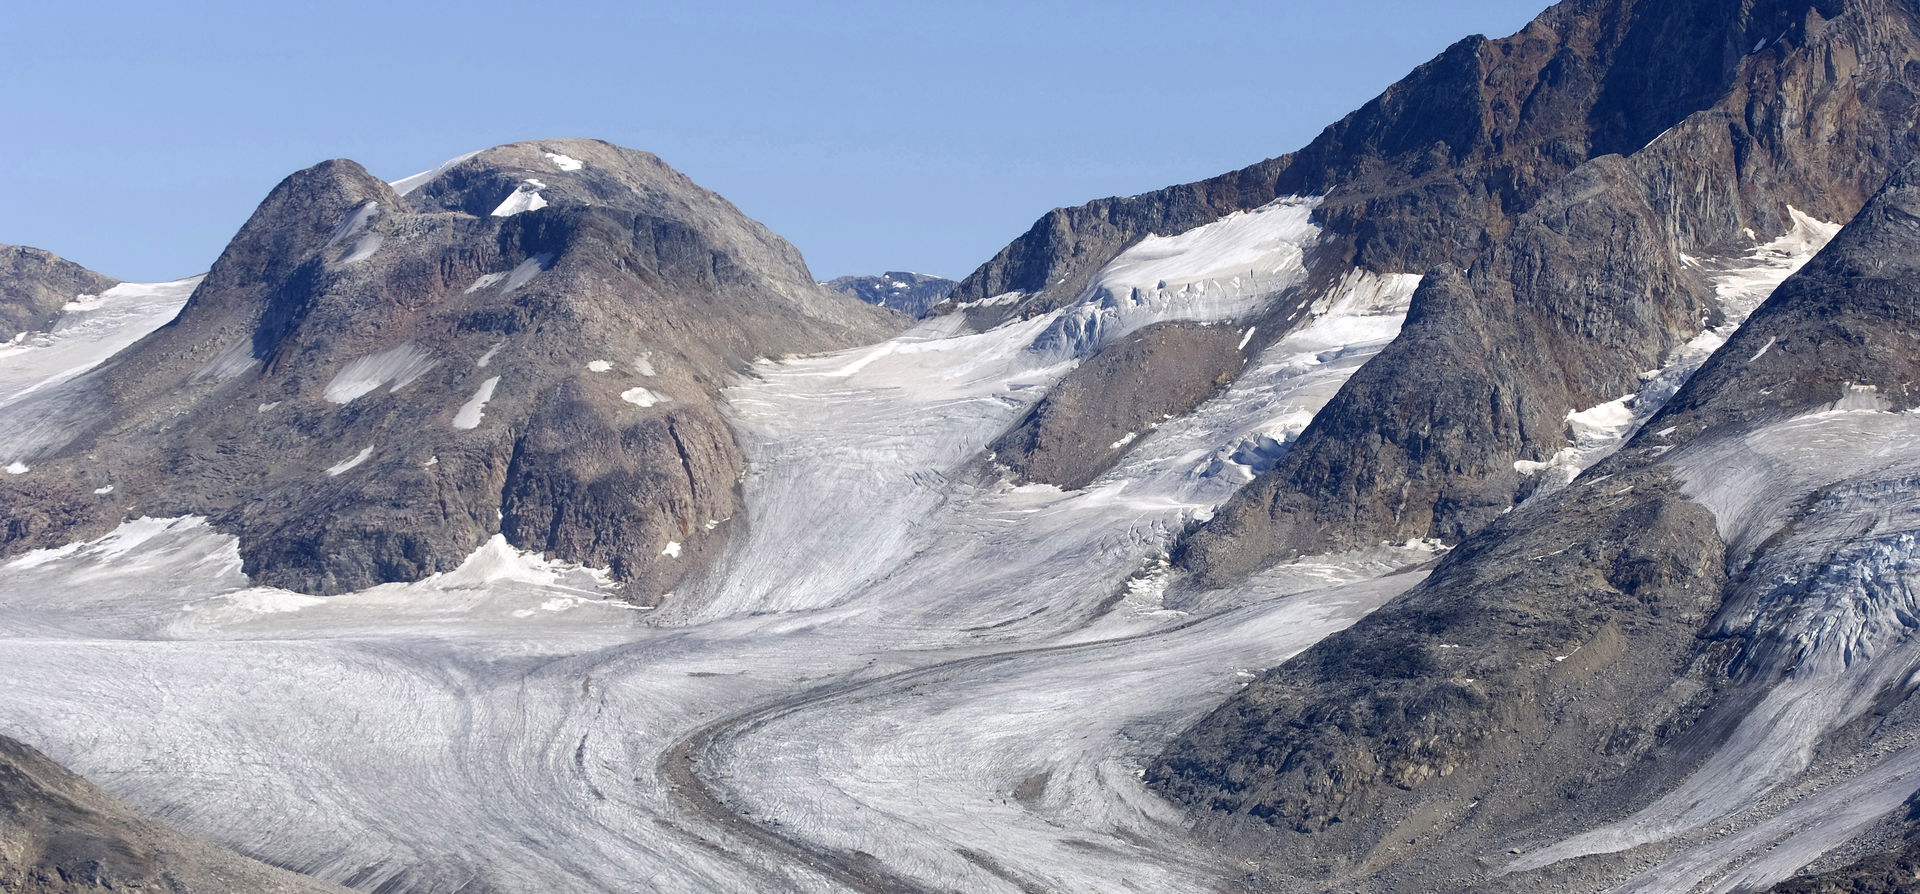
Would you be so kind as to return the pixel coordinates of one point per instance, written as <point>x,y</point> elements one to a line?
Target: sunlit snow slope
<point>90,329</point>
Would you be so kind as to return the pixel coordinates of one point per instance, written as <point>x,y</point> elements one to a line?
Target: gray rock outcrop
<point>1550,182</point>
<point>1585,288</point>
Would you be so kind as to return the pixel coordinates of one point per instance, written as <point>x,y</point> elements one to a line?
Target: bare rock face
<point>35,284</point>
<point>1095,415</point>
<point>1849,320</point>
<point>1564,314</point>
<point>367,384</point>
<point>1581,655</point>
<point>59,834</point>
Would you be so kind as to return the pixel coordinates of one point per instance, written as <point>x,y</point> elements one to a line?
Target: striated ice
<point>357,459</point>
<point>395,368</point>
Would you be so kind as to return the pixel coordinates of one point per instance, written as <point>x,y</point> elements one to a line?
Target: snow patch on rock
<point>645,397</point>
<point>483,281</point>
<point>526,270</point>
<point>397,367</point>
<point>358,458</point>
<point>524,198</point>
<point>233,361</point>
<point>474,409</point>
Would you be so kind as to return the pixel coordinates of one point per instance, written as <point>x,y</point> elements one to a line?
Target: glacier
<point>906,669</point>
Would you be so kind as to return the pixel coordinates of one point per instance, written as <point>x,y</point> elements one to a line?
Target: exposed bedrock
<point>1090,420</point>
<point>367,385</point>
<point>1542,661</point>
<point>1435,169</point>
<point>1421,442</point>
<point>61,835</point>
<point>1581,293</point>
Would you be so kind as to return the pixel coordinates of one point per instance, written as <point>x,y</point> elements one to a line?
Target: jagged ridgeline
<point>374,379</point>
<point>1551,185</point>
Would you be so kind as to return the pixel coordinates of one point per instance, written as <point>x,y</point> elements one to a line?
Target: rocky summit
<point>1514,489</point>
<point>368,384</point>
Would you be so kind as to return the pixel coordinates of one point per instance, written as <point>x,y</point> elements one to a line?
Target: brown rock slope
<point>1099,410</point>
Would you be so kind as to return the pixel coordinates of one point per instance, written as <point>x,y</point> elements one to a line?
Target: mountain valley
<point>1514,489</point>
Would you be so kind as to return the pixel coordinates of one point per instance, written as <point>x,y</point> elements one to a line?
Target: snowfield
<point>907,671</point>
<point>91,329</point>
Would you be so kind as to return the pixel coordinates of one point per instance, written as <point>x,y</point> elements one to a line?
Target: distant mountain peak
<point>912,294</point>
<point>34,286</point>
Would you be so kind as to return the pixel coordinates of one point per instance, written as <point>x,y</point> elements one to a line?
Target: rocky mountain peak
<point>912,294</point>
<point>356,349</point>
<point>35,284</point>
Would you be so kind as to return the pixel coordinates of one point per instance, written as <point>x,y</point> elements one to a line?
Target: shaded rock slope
<point>1704,644</point>
<point>909,293</point>
<point>35,285</point>
<point>369,383</point>
<point>59,834</point>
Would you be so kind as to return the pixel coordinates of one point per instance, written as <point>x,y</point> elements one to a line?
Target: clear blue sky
<point>875,136</point>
